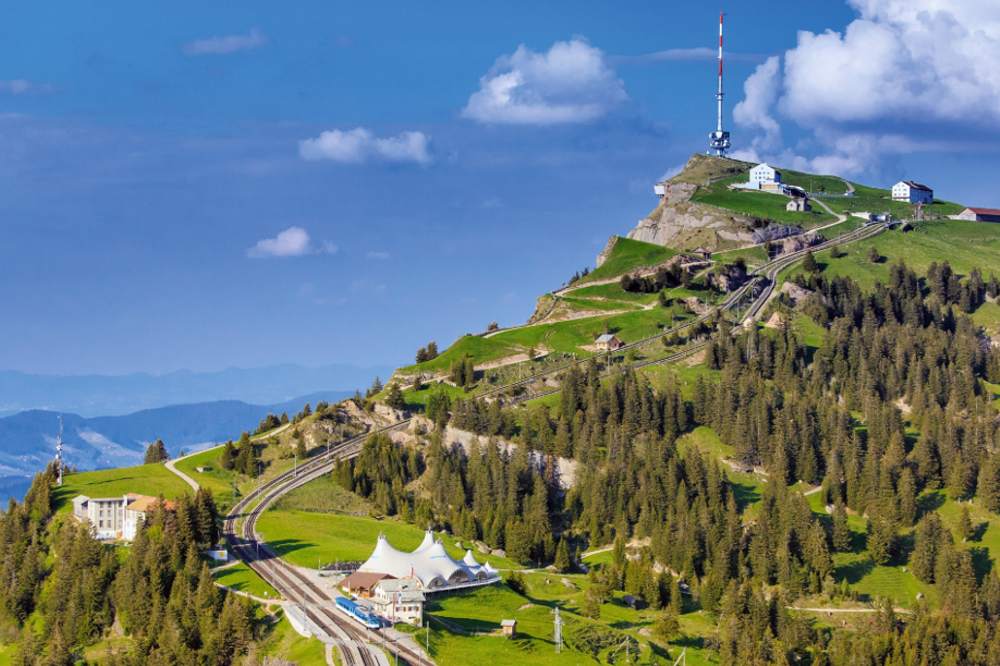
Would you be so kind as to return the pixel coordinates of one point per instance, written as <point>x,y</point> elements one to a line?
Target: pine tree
<point>881,540</point>
<point>841,529</point>
<point>562,559</point>
<point>156,453</point>
<point>666,625</point>
<point>395,397</point>
<point>965,528</point>
<point>227,459</point>
<point>906,493</point>
<point>927,539</point>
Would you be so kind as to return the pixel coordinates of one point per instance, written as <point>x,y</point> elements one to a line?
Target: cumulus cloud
<point>900,68</point>
<point>292,242</point>
<point>24,87</point>
<point>360,145</point>
<point>760,92</point>
<point>570,83</point>
<point>225,44</point>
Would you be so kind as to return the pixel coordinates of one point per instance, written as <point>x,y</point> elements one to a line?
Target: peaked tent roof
<point>430,563</point>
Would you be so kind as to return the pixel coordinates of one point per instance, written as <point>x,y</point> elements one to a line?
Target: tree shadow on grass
<point>979,531</point>
<point>981,561</point>
<point>854,571</point>
<point>929,502</point>
<point>285,546</point>
<point>745,494</point>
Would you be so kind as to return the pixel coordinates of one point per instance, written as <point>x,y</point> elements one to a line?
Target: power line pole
<point>557,630</point>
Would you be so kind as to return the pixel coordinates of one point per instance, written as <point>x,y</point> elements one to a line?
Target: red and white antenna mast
<point>718,140</point>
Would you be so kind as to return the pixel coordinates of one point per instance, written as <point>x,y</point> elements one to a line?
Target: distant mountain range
<point>93,395</point>
<point>27,439</point>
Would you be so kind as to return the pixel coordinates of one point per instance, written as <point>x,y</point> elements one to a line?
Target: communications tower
<point>718,141</point>
<point>59,454</point>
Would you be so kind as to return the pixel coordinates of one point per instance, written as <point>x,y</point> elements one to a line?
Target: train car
<point>358,613</point>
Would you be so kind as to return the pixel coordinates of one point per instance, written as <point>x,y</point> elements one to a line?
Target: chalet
<point>399,600</point>
<point>798,205</point>
<point>979,215</point>
<point>912,192</point>
<point>702,253</point>
<point>608,342</point>
<point>363,583</point>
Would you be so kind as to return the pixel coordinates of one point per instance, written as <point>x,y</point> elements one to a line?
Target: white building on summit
<point>429,564</point>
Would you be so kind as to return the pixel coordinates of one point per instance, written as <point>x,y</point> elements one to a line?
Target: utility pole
<point>557,630</point>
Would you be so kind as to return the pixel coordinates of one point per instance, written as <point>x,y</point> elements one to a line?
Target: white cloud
<point>292,242</point>
<point>225,44</point>
<point>381,255</point>
<point>760,92</point>
<point>570,83</point>
<point>360,145</point>
<point>897,73</point>
<point>22,87</point>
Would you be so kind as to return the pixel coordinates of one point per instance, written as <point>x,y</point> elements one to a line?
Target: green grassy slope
<point>628,255</point>
<point>965,245</point>
<point>283,642</point>
<point>759,204</point>
<point>152,480</point>
<point>242,578</point>
<point>306,538</point>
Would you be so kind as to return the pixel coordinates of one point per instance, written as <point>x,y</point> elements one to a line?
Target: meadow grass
<point>585,304</point>
<point>808,331</point>
<point>964,245</point>
<point>987,315</point>
<point>614,292</point>
<point>627,255</point>
<point>753,256</point>
<point>154,479</point>
<point>244,579</point>
<point>763,205</point>
<point>283,642</point>
<point>306,538</point>
<point>216,480</point>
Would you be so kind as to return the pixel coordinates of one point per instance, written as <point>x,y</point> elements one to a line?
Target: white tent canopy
<point>430,564</point>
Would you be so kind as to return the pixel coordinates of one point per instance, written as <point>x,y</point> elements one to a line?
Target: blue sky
<point>192,186</point>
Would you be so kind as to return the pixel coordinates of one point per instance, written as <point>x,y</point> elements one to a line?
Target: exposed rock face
<point>795,293</point>
<point>680,223</point>
<point>728,277</point>
<point>800,242</point>
<point>606,252</point>
<point>774,232</point>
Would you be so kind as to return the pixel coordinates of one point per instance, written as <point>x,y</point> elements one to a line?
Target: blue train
<point>358,613</point>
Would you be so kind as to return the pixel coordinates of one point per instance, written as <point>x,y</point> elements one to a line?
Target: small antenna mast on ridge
<point>59,453</point>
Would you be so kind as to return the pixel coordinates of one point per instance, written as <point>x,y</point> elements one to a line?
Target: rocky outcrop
<point>795,293</point>
<point>543,308</point>
<point>800,242</point>
<point>680,223</point>
<point>773,232</point>
<point>606,252</point>
<point>728,277</point>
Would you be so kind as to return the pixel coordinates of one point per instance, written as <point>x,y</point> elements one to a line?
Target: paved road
<point>172,466</point>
